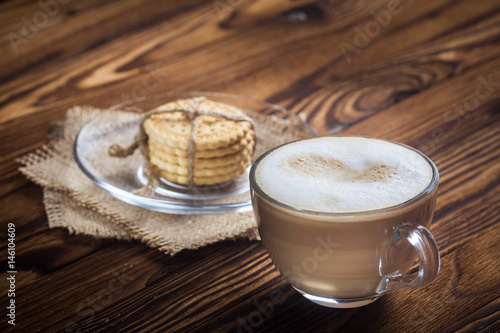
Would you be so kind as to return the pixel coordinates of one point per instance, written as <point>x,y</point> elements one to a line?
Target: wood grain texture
<point>429,76</point>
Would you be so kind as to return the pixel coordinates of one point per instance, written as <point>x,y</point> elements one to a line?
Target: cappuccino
<point>331,212</point>
<point>343,174</point>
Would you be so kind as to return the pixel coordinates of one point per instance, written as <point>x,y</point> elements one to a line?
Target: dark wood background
<point>428,76</point>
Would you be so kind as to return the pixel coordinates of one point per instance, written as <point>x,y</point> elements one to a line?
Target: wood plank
<point>416,81</point>
<point>321,55</point>
<point>140,268</point>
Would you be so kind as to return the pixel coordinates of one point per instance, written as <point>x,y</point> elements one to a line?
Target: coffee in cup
<point>344,218</point>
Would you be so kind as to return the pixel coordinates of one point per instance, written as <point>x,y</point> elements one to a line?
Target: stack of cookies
<point>223,146</point>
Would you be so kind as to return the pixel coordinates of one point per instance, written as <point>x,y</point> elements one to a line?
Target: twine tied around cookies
<point>141,140</point>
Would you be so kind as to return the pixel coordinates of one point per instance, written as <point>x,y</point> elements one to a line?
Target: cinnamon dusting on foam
<point>321,166</point>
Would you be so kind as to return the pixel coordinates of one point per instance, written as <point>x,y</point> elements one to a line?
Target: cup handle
<point>428,253</point>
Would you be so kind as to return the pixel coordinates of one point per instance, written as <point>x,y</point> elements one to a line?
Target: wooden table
<point>425,73</point>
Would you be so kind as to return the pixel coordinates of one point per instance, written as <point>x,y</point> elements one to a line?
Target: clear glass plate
<point>123,178</point>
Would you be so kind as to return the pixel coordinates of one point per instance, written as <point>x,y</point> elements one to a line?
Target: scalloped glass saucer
<point>124,178</point>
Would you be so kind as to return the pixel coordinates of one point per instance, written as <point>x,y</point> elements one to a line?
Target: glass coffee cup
<point>345,217</point>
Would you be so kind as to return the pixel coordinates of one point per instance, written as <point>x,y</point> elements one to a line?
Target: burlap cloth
<point>74,202</point>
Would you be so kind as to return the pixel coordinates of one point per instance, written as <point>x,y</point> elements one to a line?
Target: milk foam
<point>343,174</point>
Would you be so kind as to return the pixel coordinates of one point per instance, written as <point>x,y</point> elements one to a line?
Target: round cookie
<point>198,181</point>
<point>223,147</point>
<point>239,166</point>
<point>212,162</point>
<point>244,143</point>
<point>174,128</point>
